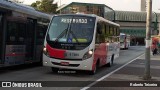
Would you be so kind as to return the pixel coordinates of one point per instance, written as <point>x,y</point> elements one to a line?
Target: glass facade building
<point>87,8</point>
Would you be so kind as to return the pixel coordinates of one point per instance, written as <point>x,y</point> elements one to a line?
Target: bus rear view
<point>70,43</point>
<point>124,41</point>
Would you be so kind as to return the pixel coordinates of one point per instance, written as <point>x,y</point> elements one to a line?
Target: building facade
<point>134,24</point>
<point>87,8</point>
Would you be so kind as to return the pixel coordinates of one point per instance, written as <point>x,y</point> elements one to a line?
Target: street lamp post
<point>147,75</point>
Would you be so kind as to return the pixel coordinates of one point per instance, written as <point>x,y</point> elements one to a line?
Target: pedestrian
<point>137,43</point>
<point>154,48</point>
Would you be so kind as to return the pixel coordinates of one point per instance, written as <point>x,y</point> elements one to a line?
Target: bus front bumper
<point>68,64</point>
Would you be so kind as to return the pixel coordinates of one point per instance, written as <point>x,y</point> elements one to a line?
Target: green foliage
<point>17,1</point>
<point>34,5</point>
<point>45,6</point>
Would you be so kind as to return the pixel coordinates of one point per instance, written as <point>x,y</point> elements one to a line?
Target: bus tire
<point>54,69</point>
<point>95,69</point>
<point>111,62</point>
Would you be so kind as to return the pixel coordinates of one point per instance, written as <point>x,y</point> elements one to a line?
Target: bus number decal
<point>71,54</point>
<point>64,20</point>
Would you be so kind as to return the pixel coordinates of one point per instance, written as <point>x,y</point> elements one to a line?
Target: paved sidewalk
<point>133,72</point>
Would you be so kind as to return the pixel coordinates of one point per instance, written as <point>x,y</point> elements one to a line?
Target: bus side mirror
<point>99,29</point>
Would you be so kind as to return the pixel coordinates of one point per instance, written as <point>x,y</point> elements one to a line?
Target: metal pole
<point>60,6</point>
<point>147,75</point>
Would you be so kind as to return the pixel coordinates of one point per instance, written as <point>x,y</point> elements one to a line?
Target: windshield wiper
<point>67,31</point>
<point>70,31</point>
<point>74,36</point>
<point>62,34</point>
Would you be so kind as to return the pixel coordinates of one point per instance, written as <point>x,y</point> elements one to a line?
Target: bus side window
<point>97,39</point>
<point>114,31</point>
<point>100,38</point>
<point>41,29</point>
<point>110,34</point>
<point>118,33</point>
<point>21,32</point>
<point>110,31</point>
<point>11,32</point>
<point>99,35</point>
<point>106,32</point>
<point>99,28</point>
<point>15,32</point>
<point>103,33</point>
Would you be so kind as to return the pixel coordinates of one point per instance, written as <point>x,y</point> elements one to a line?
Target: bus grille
<point>72,65</point>
<point>67,59</point>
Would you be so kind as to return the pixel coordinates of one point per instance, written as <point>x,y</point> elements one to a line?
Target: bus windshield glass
<point>71,29</point>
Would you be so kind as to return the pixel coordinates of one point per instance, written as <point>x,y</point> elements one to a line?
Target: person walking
<point>154,48</point>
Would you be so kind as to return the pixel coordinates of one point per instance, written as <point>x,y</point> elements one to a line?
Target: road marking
<point>107,75</point>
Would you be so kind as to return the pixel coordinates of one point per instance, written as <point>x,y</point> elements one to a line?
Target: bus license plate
<point>65,63</point>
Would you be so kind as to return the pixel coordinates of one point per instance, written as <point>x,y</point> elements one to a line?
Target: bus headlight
<point>45,51</point>
<point>88,54</point>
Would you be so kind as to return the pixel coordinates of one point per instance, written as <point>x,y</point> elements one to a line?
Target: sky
<point>124,5</point>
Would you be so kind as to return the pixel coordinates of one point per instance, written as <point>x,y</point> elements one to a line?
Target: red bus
<point>81,42</point>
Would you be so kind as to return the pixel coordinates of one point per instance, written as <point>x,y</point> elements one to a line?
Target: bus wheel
<point>54,69</point>
<point>94,71</point>
<point>111,62</point>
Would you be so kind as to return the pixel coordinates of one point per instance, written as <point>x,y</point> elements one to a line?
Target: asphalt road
<point>39,73</point>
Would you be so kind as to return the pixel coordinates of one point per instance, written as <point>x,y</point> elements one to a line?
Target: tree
<point>45,6</point>
<point>36,4</point>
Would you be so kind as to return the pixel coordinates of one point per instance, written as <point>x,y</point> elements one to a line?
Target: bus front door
<point>30,40</point>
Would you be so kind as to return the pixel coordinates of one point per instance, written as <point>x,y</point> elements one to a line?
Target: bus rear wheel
<point>111,62</point>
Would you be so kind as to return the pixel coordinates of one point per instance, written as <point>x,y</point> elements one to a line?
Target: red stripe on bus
<point>57,53</point>
<point>101,54</point>
<point>14,54</point>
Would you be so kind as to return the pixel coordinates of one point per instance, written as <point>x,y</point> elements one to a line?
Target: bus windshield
<point>71,29</point>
